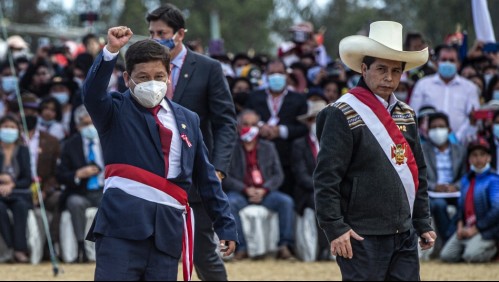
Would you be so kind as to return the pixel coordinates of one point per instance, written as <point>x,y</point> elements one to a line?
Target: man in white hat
<point>370,179</point>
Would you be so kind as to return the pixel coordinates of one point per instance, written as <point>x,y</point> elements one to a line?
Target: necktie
<point>93,181</point>
<point>165,136</point>
<point>170,90</point>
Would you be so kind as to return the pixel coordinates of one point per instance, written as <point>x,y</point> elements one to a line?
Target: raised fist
<point>117,37</point>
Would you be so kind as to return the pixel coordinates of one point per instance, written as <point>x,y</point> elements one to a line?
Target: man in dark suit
<point>198,83</point>
<point>81,171</point>
<point>279,109</point>
<point>255,175</point>
<point>154,152</point>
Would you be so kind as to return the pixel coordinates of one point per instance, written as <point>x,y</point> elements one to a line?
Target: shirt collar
<point>388,105</point>
<point>179,59</point>
<point>455,80</point>
<point>164,104</point>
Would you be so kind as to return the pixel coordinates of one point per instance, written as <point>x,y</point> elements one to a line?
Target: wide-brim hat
<point>314,107</point>
<point>385,42</point>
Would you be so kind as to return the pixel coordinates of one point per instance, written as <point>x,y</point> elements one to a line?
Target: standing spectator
<point>446,165</point>
<point>279,109</point>
<point>304,158</point>
<point>92,44</point>
<point>414,41</point>
<point>448,92</point>
<point>81,171</point>
<point>370,179</point>
<point>63,89</point>
<point>254,177</point>
<point>241,87</point>
<point>477,232</point>
<point>198,83</point>
<point>15,193</point>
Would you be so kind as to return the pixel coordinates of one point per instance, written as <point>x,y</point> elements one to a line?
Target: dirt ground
<point>263,270</point>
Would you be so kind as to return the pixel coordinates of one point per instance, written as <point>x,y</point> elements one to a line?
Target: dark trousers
<point>382,258</point>
<point>14,235</point>
<point>130,260</point>
<point>209,265</point>
<point>77,205</point>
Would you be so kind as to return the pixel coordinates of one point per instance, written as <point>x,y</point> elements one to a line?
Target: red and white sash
<point>154,188</point>
<point>388,135</point>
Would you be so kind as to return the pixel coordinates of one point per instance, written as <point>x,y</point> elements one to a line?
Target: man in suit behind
<point>198,83</point>
<point>279,108</point>
<point>154,152</point>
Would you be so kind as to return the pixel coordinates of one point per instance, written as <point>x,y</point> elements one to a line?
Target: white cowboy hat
<point>314,107</point>
<point>385,42</point>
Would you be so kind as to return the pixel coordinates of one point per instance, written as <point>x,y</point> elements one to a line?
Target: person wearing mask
<point>81,170</point>
<point>197,82</point>
<point>370,180</point>
<point>62,89</point>
<point>254,177</point>
<point>446,164</point>
<point>154,152</point>
<point>240,89</point>
<point>15,181</point>
<point>448,91</point>
<point>477,234</point>
<point>279,109</point>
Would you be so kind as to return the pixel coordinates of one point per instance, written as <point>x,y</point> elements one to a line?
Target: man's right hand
<point>117,37</point>
<point>342,247</point>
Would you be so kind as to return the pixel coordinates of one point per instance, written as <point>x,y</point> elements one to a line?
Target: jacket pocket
<point>353,194</point>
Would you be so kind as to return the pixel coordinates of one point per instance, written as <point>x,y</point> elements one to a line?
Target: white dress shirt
<point>167,118</point>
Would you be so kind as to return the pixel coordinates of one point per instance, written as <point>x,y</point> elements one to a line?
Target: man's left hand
<point>227,247</point>
<point>427,240</point>
<point>220,175</point>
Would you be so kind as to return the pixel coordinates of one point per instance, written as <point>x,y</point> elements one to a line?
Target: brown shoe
<point>240,255</point>
<point>284,253</point>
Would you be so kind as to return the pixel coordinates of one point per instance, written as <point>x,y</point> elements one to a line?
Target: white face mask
<point>438,135</point>
<point>150,93</point>
<point>480,170</point>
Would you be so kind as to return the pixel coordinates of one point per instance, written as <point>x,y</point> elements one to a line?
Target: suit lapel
<point>181,122</point>
<point>454,161</point>
<point>184,76</point>
<point>433,160</point>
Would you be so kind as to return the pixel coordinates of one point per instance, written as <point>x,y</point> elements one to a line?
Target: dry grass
<point>264,270</point>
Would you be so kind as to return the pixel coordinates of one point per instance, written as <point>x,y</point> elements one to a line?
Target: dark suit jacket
<point>268,163</point>
<point>72,159</point>
<point>459,163</point>
<point>48,153</point>
<point>129,136</point>
<point>303,166</point>
<point>203,89</point>
<point>294,104</point>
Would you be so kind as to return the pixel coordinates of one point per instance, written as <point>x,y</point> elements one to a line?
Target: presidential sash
<point>389,137</point>
<point>154,188</point>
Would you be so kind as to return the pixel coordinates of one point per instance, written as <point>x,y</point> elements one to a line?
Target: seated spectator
<point>332,89</point>
<point>62,89</point>
<point>15,180</point>
<point>422,116</point>
<point>446,165</point>
<point>254,177</point>
<point>51,118</point>
<point>44,150</point>
<point>477,232</point>
<point>305,151</point>
<point>81,171</point>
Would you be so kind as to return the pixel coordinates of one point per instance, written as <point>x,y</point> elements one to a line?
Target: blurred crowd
<point>50,139</point>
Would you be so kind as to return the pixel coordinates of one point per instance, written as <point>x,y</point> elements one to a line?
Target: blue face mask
<point>447,69</point>
<point>89,132</point>
<point>277,82</point>
<point>495,95</point>
<point>62,97</point>
<point>496,130</point>
<point>168,43</point>
<point>9,135</point>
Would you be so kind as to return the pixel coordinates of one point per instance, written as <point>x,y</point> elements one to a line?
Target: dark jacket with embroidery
<point>356,186</point>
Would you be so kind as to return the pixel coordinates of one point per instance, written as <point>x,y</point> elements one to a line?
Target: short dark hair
<point>438,115</point>
<point>447,47</point>
<point>170,15</point>
<point>369,60</point>
<point>89,36</point>
<point>410,37</point>
<point>51,100</point>
<point>144,51</point>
